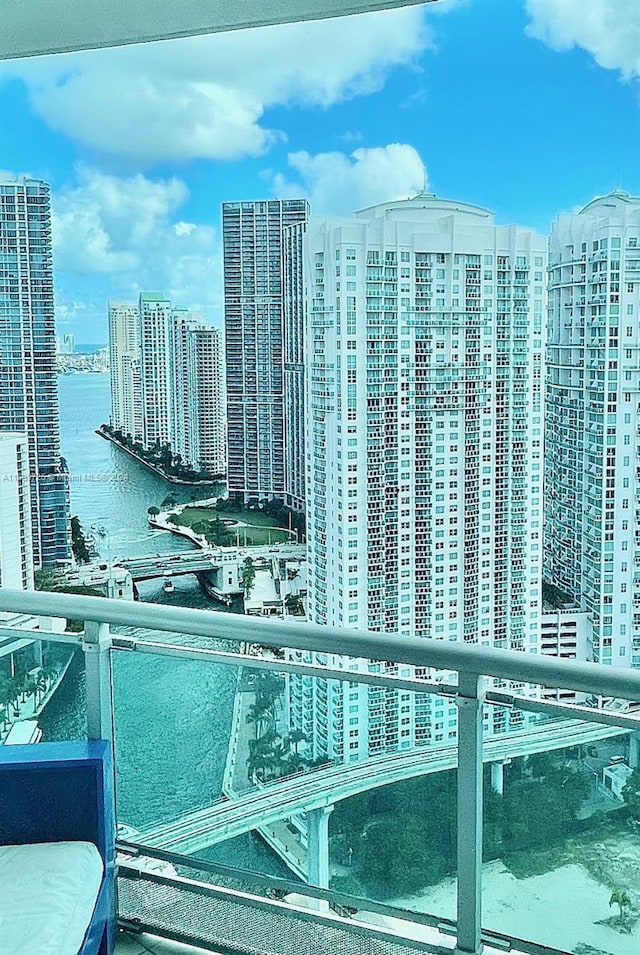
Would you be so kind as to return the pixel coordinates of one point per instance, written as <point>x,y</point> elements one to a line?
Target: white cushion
<point>48,892</point>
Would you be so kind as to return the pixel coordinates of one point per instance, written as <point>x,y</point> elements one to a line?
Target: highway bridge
<point>319,789</point>
<point>197,561</point>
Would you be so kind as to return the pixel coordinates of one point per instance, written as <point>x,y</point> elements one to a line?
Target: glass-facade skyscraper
<point>28,379</point>
<point>257,358</point>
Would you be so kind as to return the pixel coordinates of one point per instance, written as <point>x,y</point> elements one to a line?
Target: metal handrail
<point>471,694</point>
<point>423,652</point>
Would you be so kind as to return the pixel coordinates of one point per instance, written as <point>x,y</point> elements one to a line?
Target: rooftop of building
<point>153,297</point>
<point>614,200</point>
<point>426,204</point>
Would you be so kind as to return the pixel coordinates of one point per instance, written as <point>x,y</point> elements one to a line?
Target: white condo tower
<point>424,451</point>
<point>592,542</point>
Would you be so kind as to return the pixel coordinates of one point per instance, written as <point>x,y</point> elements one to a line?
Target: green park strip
<point>224,529</point>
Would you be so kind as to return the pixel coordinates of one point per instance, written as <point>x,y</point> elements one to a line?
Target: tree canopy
<point>631,794</point>
<point>403,836</point>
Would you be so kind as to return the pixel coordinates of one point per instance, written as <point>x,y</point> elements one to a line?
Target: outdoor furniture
<point>57,849</point>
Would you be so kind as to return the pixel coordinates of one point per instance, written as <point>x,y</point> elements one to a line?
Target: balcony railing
<point>228,909</point>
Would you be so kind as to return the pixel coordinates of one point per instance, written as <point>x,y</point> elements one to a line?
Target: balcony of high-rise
<point>180,796</point>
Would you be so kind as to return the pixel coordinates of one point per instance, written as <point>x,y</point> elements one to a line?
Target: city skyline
<point>263,114</point>
<point>352,582</point>
<point>166,375</point>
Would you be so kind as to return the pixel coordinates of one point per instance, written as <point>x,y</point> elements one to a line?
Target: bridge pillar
<point>634,750</point>
<point>318,847</point>
<point>497,777</point>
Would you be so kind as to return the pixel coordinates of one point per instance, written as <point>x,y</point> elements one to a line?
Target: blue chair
<point>63,792</point>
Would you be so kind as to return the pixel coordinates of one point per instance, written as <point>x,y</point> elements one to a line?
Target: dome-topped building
<point>424,450</point>
<point>592,414</point>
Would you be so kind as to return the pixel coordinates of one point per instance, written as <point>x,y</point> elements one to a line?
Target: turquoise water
<point>172,716</point>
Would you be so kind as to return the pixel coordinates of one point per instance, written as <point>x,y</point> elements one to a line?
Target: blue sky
<point>529,107</point>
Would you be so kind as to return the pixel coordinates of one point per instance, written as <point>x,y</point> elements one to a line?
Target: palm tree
<point>293,575</point>
<point>258,714</point>
<point>5,698</point>
<point>269,685</point>
<point>296,737</point>
<point>247,577</point>
<point>261,758</point>
<point>279,757</point>
<point>41,686</point>
<point>620,897</point>
<point>30,685</point>
<point>20,677</point>
<point>15,688</point>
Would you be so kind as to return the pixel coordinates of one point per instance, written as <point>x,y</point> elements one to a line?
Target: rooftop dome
<point>613,200</point>
<point>424,202</point>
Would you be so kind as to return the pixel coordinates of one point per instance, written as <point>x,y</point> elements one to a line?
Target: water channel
<point>172,717</point>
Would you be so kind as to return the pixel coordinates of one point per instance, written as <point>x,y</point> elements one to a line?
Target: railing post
<point>469,914</point>
<point>96,644</point>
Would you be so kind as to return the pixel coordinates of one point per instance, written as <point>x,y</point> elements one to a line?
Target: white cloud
<point>337,184</point>
<point>205,97</point>
<point>607,29</point>
<point>103,223</point>
<point>116,236</point>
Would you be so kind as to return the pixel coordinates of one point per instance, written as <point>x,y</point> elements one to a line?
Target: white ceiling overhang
<point>35,27</point>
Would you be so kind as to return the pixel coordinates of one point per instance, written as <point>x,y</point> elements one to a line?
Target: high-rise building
<point>294,396</point>
<point>592,412</point>
<point>254,331</point>
<point>209,385</point>
<point>156,368</point>
<point>16,544</point>
<point>124,360</point>
<point>198,422</point>
<point>185,417</point>
<point>424,451</point>
<point>66,345</point>
<point>28,380</point>
<point>180,362</point>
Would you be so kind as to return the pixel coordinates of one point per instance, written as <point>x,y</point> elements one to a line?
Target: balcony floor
<point>128,944</point>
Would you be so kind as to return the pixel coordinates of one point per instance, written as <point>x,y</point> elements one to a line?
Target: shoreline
<point>534,908</point>
<point>37,709</point>
<point>180,482</point>
<point>159,523</point>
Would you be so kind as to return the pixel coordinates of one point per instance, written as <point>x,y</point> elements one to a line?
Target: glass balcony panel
<point>41,690</point>
<point>171,733</point>
<point>194,737</point>
<point>558,847</point>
